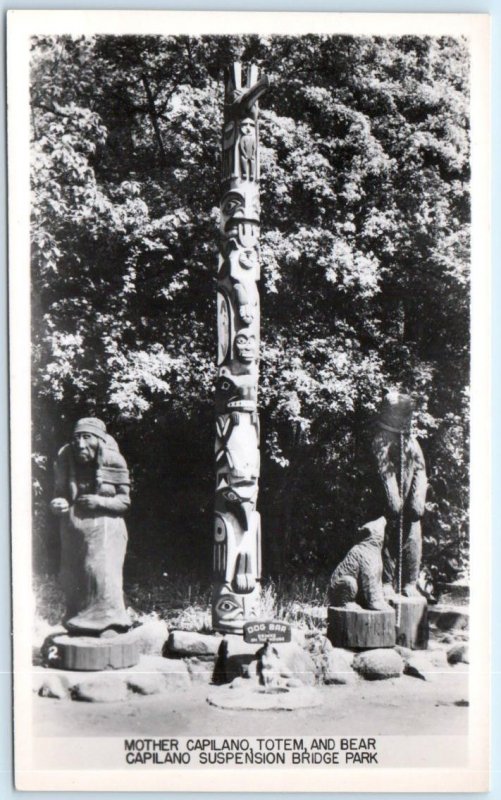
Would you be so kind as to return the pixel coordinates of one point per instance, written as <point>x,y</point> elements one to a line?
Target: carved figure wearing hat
<point>91,497</point>
<point>401,492</point>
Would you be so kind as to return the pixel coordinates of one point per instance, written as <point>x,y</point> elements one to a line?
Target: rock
<point>405,652</point>
<point>54,686</point>
<point>457,593</point>
<point>199,671</point>
<point>297,662</point>
<point>298,635</point>
<point>449,617</point>
<point>379,664</point>
<point>236,659</point>
<point>250,670</point>
<point>419,666</point>
<point>438,658</point>
<point>151,636</point>
<point>174,670</point>
<point>186,643</point>
<point>293,683</point>
<point>457,654</point>
<point>102,689</point>
<point>153,683</point>
<point>334,665</point>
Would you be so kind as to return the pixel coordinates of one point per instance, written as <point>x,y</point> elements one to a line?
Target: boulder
<point>199,671</point>
<point>446,617</point>
<point>379,664</point>
<point>151,636</point>
<point>54,686</point>
<point>457,593</point>
<point>173,670</point>
<point>101,689</point>
<point>238,659</point>
<point>405,652</point>
<point>458,654</point>
<point>419,665</point>
<point>186,643</point>
<point>334,664</point>
<point>297,662</point>
<point>234,658</point>
<point>438,658</point>
<point>147,683</point>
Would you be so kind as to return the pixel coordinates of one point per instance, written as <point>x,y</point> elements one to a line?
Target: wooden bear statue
<point>356,581</point>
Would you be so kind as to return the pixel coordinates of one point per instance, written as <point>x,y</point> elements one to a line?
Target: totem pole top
<point>243,90</point>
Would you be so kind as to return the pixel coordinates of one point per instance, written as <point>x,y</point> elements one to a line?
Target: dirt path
<point>404,705</point>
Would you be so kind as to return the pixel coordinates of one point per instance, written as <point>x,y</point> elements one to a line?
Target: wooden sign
<point>272,631</point>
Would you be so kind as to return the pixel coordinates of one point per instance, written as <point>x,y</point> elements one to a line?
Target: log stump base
<point>359,628</point>
<point>91,653</point>
<point>413,630</point>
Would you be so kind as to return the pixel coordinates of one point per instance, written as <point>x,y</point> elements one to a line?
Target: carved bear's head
<point>373,531</point>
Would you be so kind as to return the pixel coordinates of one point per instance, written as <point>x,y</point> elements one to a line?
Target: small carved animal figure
<point>272,674</point>
<point>357,580</point>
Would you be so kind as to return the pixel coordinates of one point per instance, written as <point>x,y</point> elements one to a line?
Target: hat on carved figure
<point>91,425</point>
<point>396,412</point>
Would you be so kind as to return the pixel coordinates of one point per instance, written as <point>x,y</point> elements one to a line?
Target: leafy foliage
<point>365,263</point>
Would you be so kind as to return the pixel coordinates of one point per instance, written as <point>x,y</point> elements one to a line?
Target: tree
<point>365,262</point>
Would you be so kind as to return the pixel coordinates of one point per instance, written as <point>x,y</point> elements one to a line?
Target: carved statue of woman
<point>91,497</point>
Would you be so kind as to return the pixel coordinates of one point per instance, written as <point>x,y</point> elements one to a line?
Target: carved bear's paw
<point>411,590</point>
<point>388,591</point>
<point>380,605</point>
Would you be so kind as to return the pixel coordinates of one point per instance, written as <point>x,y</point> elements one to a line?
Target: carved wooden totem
<point>237,546</point>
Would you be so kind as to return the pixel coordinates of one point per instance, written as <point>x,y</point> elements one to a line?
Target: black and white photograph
<point>249,283</point>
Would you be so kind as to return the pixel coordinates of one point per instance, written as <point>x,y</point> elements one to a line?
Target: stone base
<point>152,675</point>
<point>92,654</point>
<point>413,630</point>
<point>359,628</point>
<point>253,698</point>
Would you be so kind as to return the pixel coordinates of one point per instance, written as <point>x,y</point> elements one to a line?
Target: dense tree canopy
<point>365,265</point>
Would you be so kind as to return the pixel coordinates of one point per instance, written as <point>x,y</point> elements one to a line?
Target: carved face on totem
<point>240,205</point>
<point>230,610</point>
<point>247,258</point>
<point>84,447</point>
<point>246,347</point>
<point>248,127</point>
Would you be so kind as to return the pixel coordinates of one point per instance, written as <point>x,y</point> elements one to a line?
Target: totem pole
<point>237,546</point>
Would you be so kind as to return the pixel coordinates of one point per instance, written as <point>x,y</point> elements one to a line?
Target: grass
<point>185,602</point>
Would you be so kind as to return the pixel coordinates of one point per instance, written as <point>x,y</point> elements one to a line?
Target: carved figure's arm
<point>117,504</point>
<point>388,474</point>
<point>417,495</point>
<point>243,104</point>
<point>61,468</point>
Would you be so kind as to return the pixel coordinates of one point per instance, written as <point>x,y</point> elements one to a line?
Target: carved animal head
<point>373,531</point>
<point>395,414</point>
